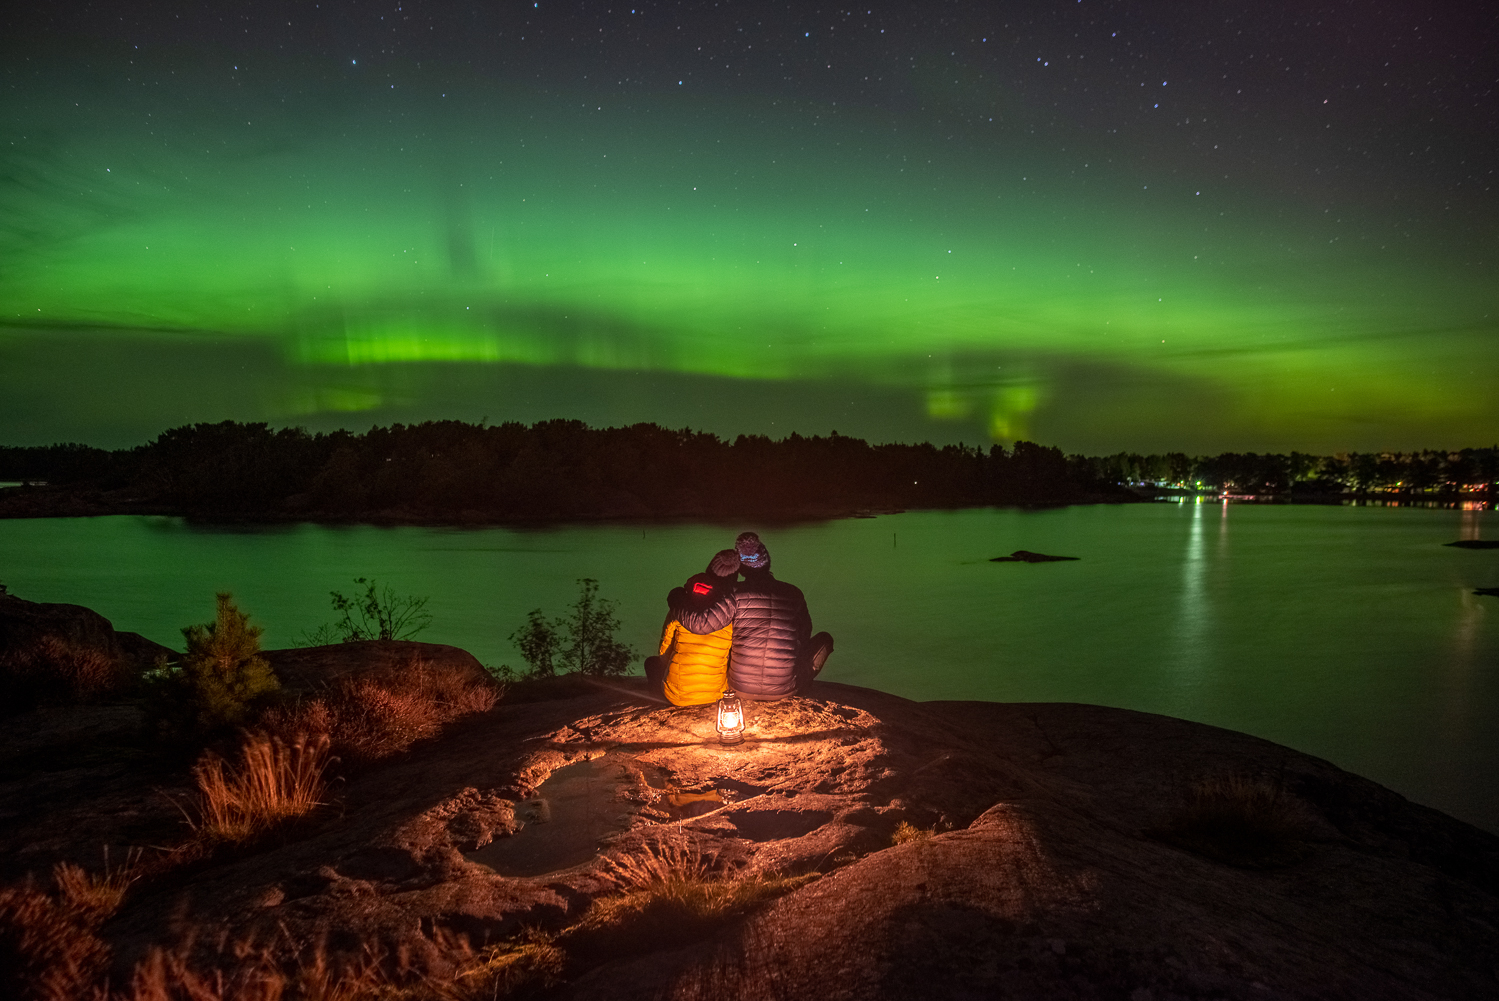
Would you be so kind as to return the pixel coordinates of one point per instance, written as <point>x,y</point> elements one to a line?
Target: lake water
<point>1350,633</point>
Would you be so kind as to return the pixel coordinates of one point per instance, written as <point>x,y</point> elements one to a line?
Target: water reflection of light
<point>1469,522</point>
<point>1192,621</point>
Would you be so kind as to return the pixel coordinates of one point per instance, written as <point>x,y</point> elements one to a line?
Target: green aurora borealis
<point>733,260</point>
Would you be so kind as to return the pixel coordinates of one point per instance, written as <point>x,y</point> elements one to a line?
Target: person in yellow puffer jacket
<point>692,670</point>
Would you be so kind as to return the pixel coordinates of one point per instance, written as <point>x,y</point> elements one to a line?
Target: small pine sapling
<point>220,677</point>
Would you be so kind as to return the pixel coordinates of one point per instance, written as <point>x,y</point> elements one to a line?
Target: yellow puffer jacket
<point>697,672</point>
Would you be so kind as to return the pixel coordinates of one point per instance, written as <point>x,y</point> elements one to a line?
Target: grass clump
<point>50,949</point>
<point>1240,820</point>
<point>369,717</point>
<point>668,894</point>
<point>97,894</point>
<point>528,962</point>
<point>905,832</point>
<point>56,669</point>
<point>274,782</point>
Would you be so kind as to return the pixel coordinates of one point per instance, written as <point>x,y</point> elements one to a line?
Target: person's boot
<point>820,655</point>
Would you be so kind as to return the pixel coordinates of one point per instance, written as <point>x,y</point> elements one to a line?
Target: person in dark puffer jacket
<point>774,653</point>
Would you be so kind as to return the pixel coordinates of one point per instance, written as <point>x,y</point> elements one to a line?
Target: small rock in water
<point>1492,591</point>
<point>1026,556</point>
<point>1474,544</point>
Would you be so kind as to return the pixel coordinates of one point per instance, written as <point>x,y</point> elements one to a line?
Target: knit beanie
<point>752,552</point>
<point>725,563</point>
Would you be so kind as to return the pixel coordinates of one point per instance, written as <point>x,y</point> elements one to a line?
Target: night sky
<point>1103,226</point>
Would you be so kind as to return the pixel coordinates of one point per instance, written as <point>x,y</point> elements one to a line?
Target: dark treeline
<point>565,470</point>
<point>553,470</point>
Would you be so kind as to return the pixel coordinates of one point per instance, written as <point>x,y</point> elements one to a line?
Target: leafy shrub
<point>366,718</point>
<point>588,632</point>
<point>218,682</point>
<point>537,641</point>
<point>273,783</point>
<point>376,614</point>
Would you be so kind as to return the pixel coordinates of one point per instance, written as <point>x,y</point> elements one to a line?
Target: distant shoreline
<point>41,502</point>
<point>20,503</point>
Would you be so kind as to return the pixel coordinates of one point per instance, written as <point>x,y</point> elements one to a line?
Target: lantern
<point>730,719</point>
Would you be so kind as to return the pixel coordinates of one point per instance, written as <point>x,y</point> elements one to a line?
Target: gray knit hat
<point>752,552</point>
<point>725,563</point>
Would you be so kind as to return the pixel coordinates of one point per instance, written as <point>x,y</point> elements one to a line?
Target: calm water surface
<point>1349,633</point>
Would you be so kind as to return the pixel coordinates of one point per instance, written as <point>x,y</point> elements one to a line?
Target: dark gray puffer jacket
<point>771,629</point>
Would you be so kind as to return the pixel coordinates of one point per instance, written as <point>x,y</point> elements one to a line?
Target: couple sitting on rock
<point>752,636</point>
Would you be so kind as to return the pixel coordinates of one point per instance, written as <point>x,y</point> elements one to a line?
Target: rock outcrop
<point>1041,876</point>
<point>26,625</point>
<point>1026,556</point>
<point>1033,859</point>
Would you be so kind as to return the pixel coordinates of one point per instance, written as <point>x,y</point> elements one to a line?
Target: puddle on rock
<point>572,811</point>
<point>581,804</point>
<point>692,804</point>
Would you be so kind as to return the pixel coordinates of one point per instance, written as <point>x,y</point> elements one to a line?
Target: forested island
<point>564,470</point>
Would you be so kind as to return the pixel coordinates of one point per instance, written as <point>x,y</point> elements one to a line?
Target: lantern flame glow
<point>730,719</point>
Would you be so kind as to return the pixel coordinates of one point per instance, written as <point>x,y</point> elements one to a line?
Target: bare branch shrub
<point>376,613</point>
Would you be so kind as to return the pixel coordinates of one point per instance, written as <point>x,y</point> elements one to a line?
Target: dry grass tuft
<point>662,862</point>
<point>529,961</point>
<point>54,668</point>
<point>49,946</point>
<point>255,974</point>
<point>905,832</point>
<point>49,949</point>
<point>367,718</point>
<point>274,782</point>
<point>97,894</point>
<point>250,971</point>
<point>669,894</point>
<point>1241,820</point>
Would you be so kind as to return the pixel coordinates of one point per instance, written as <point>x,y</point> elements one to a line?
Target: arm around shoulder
<point>705,617</point>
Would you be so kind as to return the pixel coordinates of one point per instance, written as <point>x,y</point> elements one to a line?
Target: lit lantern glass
<point>730,719</point>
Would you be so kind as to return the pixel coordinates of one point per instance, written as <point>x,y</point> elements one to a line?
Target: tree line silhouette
<point>565,470</point>
<point>552,470</point>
